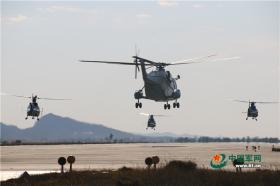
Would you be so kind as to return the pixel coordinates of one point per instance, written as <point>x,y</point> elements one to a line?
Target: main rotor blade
<point>135,73</point>
<point>37,97</point>
<point>144,114</point>
<point>266,102</point>
<point>145,60</point>
<point>109,62</point>
<point>19,96</point>
<point>52,98</point>
<point>260,102</point>
<point>242,101</point>
<point>114,62</point>
<point>159,115</point>
<point>202,61</point>
<point>193,59</point>
<point>225,59</point>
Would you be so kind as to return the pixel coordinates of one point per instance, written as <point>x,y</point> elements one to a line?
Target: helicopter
<point>151,121</point>
<point>33,109</point>
<point>159,85</point>
<point>252,110</point>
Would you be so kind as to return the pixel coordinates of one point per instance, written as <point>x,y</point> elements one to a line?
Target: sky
<point>42,43</point>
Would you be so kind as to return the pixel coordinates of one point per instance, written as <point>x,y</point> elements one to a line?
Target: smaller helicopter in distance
<point>252,110</point>
<point>33,109</point>
<point>151,121</point>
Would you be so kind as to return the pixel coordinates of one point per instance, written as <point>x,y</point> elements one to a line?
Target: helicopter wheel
<point>176,104</point>
<point>138,104</point>
<point>165,106</point>
<point>26,118</point>
<point>168,106</point>
<point>37,119</point>
<point>246,118</point>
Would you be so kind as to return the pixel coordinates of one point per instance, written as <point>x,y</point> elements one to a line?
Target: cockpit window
<point>168,74</point>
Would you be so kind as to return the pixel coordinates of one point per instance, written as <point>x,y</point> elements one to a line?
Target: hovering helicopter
<point>159,85</point>
<point>33,109</point>
<point>151,121</point>
<point>252,110</point>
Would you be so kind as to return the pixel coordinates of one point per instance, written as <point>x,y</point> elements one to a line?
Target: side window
<point>168,75</point>
<point>174,85</point>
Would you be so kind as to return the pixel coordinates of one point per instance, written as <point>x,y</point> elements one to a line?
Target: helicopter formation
<point>159,86</point>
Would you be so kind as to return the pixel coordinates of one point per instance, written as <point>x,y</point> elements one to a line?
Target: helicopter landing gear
<point>38,119</point>
<point>167,106</point>
<point>247,118</point>
<point>32,117</point>
<point>176,104</point>
<point>26,118</point>
<point>138,104</point>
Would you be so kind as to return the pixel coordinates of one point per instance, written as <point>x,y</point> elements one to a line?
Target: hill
<point>53,128</point>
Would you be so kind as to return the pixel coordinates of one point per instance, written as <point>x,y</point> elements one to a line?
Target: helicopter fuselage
<point>252,111</point>
<point>33,109</point>
<point>151,122</point>
<point>159,85</point>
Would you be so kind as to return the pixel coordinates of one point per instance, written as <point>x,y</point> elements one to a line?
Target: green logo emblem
<point>218,161</point>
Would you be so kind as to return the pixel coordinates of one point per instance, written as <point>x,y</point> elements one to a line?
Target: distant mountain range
<point>53,128</point>
<point>56,129</point>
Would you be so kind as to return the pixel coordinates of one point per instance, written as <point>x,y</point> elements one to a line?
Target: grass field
<point>174,173</point>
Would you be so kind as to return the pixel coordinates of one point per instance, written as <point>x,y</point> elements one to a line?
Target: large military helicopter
<point>33,109</point>
<point>151,121</point>
<point>159,85</point>
<point>252,110</point>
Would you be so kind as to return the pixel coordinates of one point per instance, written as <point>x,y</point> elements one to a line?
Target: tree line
<point>206,139</point>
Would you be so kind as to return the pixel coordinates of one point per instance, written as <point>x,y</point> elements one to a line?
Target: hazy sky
<point>43,41</point>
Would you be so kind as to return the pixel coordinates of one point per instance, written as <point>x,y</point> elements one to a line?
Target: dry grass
<point>175,173</point>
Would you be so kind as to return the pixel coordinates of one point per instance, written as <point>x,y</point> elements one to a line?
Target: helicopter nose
<point>138,95</point>
<point>177,94</point>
